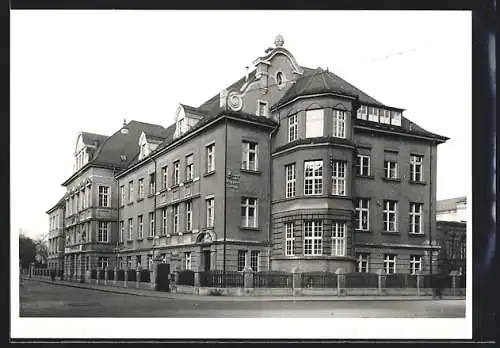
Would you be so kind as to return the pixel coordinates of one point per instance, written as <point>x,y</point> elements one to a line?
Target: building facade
<point>453,209</point>
<point>56,236</point>
<point>287,168</point>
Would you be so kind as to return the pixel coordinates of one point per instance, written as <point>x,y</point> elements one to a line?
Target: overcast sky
<point>77,71</point>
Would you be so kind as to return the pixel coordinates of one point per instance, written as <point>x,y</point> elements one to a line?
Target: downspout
<point>225,205</point>
<point>154,211</point>
<point>430,215</point>
<point>117,217</point>
<point>270,233</point>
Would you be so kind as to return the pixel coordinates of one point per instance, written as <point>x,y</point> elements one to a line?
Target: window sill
<point>187,232</point>
<point>150,195</point>
<point>130,203</point>
<point>174,186</point>
<point>122,206</point>
<point>365,176</point>
<point>391,232</point>
<point>366,231</point>
<point>209,173</point>
<point>417,182</point>
<point>129,241</point>
<point>162,190</point>
<point>250,171</point>
<point>391,179</point>
<point>255,229</point>
<point>150,238</point>
<point>140,199</point>
<point>208,227</point>
<point>189,181</point>
<point>139,239</point>
<point>412,234</point>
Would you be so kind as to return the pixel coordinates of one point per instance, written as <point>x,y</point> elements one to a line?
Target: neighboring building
<point>451,236</point>
<point>287,167</point>
<point>453,209</point>
<point>56,236</point>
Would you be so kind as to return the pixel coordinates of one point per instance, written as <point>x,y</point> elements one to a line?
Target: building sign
<point>232,180</point>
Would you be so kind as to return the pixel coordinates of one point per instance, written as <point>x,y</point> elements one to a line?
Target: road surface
<point>38,299</point>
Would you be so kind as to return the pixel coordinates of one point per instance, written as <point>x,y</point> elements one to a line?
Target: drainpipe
<point>117,217</point>
<point>270,194</point>
<point>154,211</point>
<point>430,215</point>
<point>225,205</point>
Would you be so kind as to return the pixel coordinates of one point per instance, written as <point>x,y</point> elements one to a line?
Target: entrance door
<point>206,260</point>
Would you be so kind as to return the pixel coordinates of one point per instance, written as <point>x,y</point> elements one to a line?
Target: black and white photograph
<point>241,174</point>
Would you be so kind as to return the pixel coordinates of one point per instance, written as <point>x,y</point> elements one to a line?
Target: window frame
<point>189,215</point>
<point>130,191</point>
<point>140,227</point>
<point>175,217</point>
<point>176,177</point>
<point>416,161</point>
<point>388,262</point>
<point>247,151</point>
<point>103,231</point>
<point>210,158</point>
<point>290,180</point>
<point>247,206</point>
<point>210,212</point>
<point>339,124</point>
<point>140,184</point>
<point>104,197</point>
<point>339,239</point>
<point>151,232</point>
<point>315,238</point>
<point>310,133</point>
<point>130,229</point>
<point>414,262</point>
<point>339,183</point>
<point>360,210</point>
<point>187,260</point>
<point>361,166</point>
<point>189,167</point>
<point>363,258</point>
<point>164,221</point>
<point>413,216</point>
<point>313,180</point>
<point>388,169</point>
<point>289,238</point>
<point>164,173</point>
<point>242,260</point>
<point>255,258</point>
<point>387,212</point>
<point>292,124</point>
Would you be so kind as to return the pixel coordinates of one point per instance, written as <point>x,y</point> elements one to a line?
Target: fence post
<point>196,282</point>
<point>340,280</point>
<point>137,277</point>
<point>115,275</point>
<point>296,282</point>
<point>106,276</point>
<point>380,273</point>
<point>125,277</point>
<point>454,275</point>
<point>247,278</point>
<point>419,278</point>
<point>154,273</point>
<point>87,276</point>
<point>98,274</point>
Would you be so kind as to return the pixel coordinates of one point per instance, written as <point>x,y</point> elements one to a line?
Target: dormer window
<point>280,79</point>
<point>144,147</point>
<point>262,108</point>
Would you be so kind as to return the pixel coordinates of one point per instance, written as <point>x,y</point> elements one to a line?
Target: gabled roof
<point>315,81</point>
<point>449,204</point>
<point>59,204</point>
<point>93,139</point>
<point>193,110</point>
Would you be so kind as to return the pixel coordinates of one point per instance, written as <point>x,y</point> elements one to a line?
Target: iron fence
<point>361,280</point>
<point>272,279</point>
<point>145,275</point>
<point>400,280</point>
<point>186,277</point>
<point>111,274</point>
<point>131,276</point>
<point>120,275</point>
<point>101,274</point>
<point>93,274</point>
<point>216,278</point>
<point>318,280</point>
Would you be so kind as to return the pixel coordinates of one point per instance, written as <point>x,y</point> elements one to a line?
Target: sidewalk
<point>177,296</point>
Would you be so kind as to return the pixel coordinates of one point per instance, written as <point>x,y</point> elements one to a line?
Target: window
<point>210,212</point>
<point>416,163</point>
<point>143,150</point>
<point>254,260</point>
<point>339,123</point>
<point>138,261</point>
<point>89,195</point>
<point>391,169</point>
<point>362,221</point>
<point>130,191</point>
<point>313,237</point>
<point>292,128</point>
<point>129,261</point>
<point>189,167</point>
<point>362,265</point>
<point>103,262</point>
<point>210,158</point>
<point>289,239</point>
<point>248,212</point>
<point>415,264</point>
<point>122,231</point>
<point>338,239</point>
<point>87,263</point>
<point>314,123</point>
<point>141,188</point>
<point>103,196</point>
<point>338,178</point>
<point>242,260</point>
<point>164,175</point>
<point>372,114</point>
<point>313,177</point>
<point>389,263</point>
<point>176,218</point>
<point>262,108</point>
<point>385,116</point>
<point>164,221</point>
<point>280,81</point>
<point>187,261</point>
<point>189,216</point>
<point>363,165</point>
<point>102,231</point>
<point>249,156</point>
<point>151,224</point>
<point>290,180</point>
<point>416,217</point>
<point>140,229</point>
<point>396,118</point>
<point>176,173</point>
<point>390,216</point>
<point>152,183</point>
<point>84,200</point>
<point>150,262</point>
<point>130,227</point>
<point>362,113</point>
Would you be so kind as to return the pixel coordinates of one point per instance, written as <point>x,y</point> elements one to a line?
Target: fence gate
<point>162,281</point>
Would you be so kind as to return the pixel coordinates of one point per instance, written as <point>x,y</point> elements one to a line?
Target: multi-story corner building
<point>289,167</point>
<point>56,236</point>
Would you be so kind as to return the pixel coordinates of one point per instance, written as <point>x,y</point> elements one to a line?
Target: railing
<point>131,275</point>
<point>186,277</point>
<point>93,274</point>
<point>361,280</point>
<point>318,280</point>
<point>111,274</point>
<point>145,275</point>
<point>101,274</point>
<point>215,278</point>
<point>120,275</point>
<point>272,279</point>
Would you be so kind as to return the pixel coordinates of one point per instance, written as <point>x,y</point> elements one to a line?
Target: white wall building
<point>453,209</point>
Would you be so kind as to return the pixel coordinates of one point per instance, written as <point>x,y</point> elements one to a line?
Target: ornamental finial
<point>279,41</point>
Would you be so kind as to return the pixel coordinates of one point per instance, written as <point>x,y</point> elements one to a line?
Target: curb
<point>189,297</point>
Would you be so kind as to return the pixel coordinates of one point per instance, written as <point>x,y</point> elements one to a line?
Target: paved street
<point>39,299</point>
